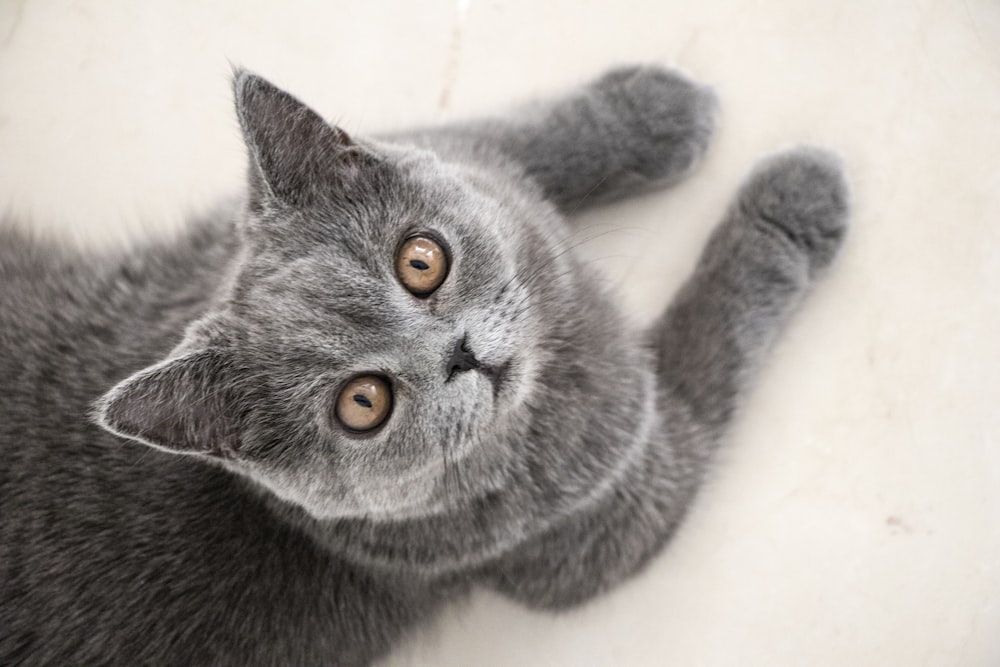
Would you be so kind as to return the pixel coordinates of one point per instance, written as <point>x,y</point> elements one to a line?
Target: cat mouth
<point>498,375</point>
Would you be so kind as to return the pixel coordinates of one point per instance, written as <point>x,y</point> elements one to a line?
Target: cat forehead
<point>359,232</point>
<point>404,188</point>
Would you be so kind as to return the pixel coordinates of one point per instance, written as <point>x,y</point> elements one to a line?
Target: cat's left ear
<point>185,405</point>
<point>294,153</point>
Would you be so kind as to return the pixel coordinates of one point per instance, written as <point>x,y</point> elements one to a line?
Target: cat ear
<point>184,405</point>
<point>290,146</point>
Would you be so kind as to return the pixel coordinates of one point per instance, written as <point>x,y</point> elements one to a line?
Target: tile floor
<point>854,519</point>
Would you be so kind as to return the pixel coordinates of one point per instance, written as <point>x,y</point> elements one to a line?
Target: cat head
<point>377,348</point>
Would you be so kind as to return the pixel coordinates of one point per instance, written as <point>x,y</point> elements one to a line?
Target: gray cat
<point>381,378</point>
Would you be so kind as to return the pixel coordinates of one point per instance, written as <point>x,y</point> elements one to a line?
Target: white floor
<point>855,517</point>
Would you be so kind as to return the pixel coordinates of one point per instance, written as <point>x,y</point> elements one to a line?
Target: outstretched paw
<point>800,196</point>
<point>661,119</point>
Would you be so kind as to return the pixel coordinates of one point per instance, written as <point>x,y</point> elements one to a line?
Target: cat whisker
<point>586,195</point>
<point>538,271</point>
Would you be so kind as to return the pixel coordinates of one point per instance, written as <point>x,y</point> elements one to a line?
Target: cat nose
<point>460,359</point>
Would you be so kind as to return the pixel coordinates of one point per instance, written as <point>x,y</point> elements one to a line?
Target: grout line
<point>454,54</point>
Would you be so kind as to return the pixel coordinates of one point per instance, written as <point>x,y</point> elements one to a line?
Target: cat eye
<point>422,265</point>
<point>364,403</point>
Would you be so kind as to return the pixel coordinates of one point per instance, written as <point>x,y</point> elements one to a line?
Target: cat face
<point>380,341</point>
<point>335,307</point>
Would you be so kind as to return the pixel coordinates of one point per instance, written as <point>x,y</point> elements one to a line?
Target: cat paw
<point>800,197</point>
<point>661,119</point>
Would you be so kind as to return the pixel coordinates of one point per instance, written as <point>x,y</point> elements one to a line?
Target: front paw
<point>661,119</point>
<point>800,197</point>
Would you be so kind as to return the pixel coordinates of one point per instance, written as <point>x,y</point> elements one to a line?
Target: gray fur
<point>277,538</point>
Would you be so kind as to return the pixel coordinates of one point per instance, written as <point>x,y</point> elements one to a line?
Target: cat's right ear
<point>184,405</point>
<point>294,153</point>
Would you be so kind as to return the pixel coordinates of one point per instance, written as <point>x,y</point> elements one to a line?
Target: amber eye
<point>421,265</point>
<point>364,403</point>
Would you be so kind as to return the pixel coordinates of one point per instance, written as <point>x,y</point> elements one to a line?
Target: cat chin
<point>385,507</point>
<point>418,494</point>
<point>432,491</point>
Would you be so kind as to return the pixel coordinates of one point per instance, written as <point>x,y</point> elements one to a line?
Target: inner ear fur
<point>185,405</point>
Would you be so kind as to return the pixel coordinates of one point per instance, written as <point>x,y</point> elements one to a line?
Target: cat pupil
<point>362,400</point>
<point>418,264</point>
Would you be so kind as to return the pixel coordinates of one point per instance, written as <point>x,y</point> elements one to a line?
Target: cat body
<point>178,484</point>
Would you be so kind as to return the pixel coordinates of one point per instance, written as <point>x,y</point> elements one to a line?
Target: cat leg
<point>784,228</point>
<point>634,129</point>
